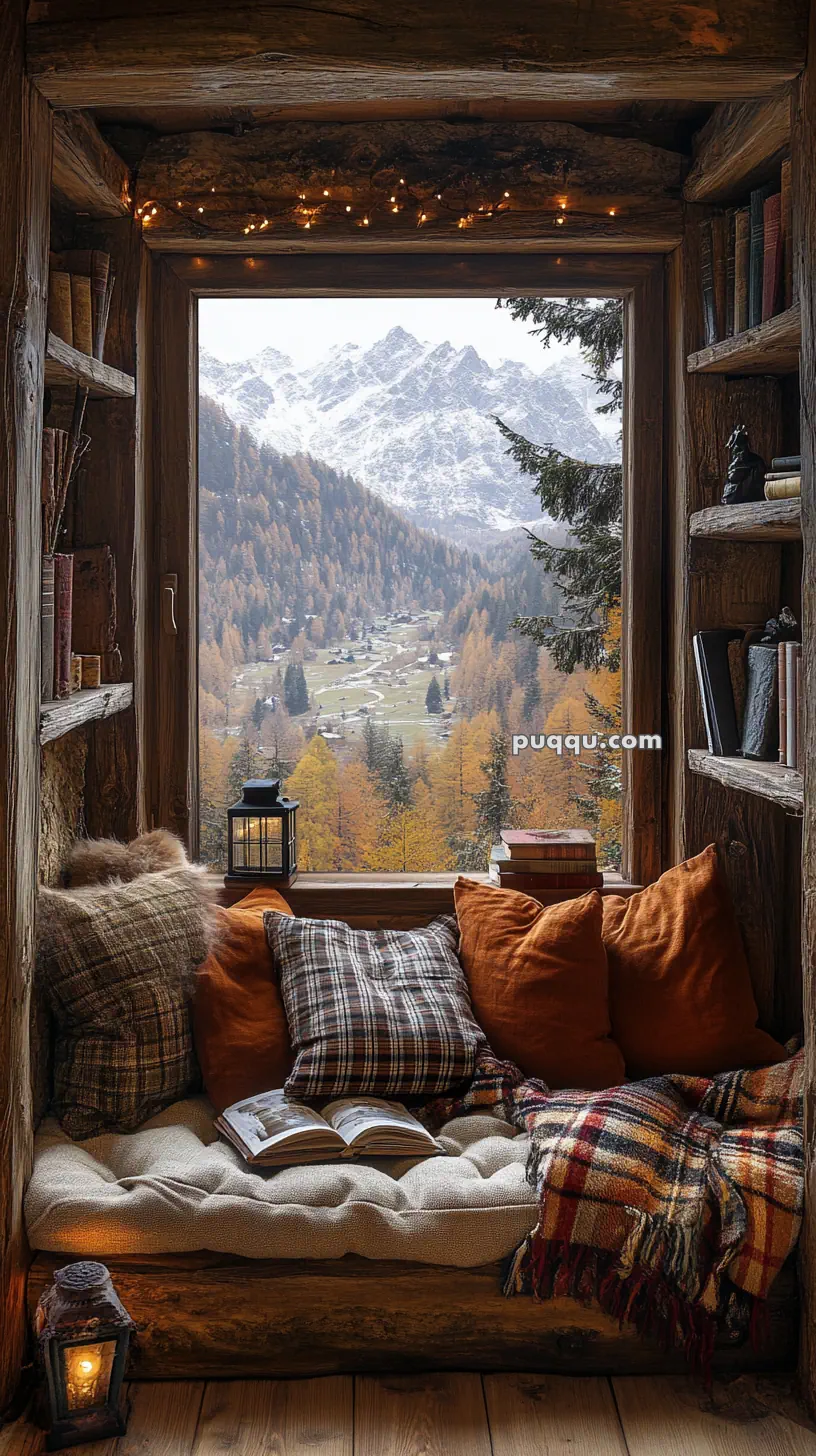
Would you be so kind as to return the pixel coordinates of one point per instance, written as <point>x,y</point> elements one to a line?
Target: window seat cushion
<point>174,1186</point>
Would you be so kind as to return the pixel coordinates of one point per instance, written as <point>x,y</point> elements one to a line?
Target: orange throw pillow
<point>679,986</point>
<point>538,983</point>
<point>239,1023</point>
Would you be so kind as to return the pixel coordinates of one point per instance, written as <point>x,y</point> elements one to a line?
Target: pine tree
<point>433,697</point>
<point>258,712</point>
<point>586,497</point>
<point>446,688</point>
<point>246,763</point>
<point>600,804</point>
<point>295,691</point>
<point>494,805</point>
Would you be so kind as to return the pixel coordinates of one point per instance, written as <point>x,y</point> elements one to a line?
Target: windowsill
<point>343,895</point>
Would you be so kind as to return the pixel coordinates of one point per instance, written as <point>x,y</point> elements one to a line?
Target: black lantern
<point>84,1333</point>
<point>261,834</point>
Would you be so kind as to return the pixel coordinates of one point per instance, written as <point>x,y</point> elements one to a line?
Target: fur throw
<point>97,861</point>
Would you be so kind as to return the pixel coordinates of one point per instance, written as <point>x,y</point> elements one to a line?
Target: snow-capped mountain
<point>414,422</point>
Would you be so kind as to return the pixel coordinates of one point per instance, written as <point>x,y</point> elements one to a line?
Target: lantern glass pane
<point>257,843</point>
<point>87,1371</point>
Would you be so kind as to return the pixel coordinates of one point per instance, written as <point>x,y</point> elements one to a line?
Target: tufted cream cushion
<point>175,1186</point>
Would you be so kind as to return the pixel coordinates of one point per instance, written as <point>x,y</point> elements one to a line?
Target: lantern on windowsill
<point>84,1332</point>
<point>261,835</point>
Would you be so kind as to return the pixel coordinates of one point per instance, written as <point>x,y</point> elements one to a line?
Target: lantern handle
<point>169,587</point>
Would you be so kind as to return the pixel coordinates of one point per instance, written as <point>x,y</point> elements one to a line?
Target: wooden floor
<point>453,1415</point>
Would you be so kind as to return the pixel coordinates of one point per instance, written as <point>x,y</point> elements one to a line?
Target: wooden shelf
<point>757,521</point>
<point>782,786</point>
<point>770,348</point>
<point>64,714</point>
<point>367,896</point>
<point>66,365</point>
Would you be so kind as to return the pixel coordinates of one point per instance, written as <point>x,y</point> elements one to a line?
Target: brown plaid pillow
<point>116,964</point>
<point>377,1011</point>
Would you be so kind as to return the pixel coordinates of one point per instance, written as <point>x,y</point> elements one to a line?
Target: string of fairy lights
<point>309,212</point>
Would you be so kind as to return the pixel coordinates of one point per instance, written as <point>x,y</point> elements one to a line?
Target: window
<point>365,558</point>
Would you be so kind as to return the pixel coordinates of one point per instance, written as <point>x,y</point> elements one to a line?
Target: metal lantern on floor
<point>84,1332</point>
<point>262,834</point>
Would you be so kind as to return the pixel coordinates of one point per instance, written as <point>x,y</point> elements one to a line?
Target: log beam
<point>426,186</point>
<point>738,147</point>
<point>88,176</point>
<point>148,52</point>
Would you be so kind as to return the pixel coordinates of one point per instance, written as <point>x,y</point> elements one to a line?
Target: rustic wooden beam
<point>803,156</point>
<point>87,174</point>
<point>25,171</point>
<point>409,186</point>
<point>737,148</point>
<point>151,52</point>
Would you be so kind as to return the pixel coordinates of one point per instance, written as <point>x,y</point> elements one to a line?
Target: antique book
<point>742,252</point>
<point>712,652</point>
<point>719,252</point>
<point>76,672</point>
<point>81,313</point>
<point>772,255</point>
<point>730,271</point>
<point>786,464</point>
<point>782,667</point>
<point>702,683</point>
<point>94,629</point>
<point>500,856</point>
<point>707,283</point>
<point>549,843</point>
<point>59,306</point>
<point>792,651</point>
<point>100,268</point>
<point>800,711</point>
<point>757,256</point>
<point>760,732</point>
<point>272,1130</point>
<point>63,593</point>
<point>534,884</point>
<point>47,630</point>
<point>787,487</point>
<point>786,223</point>
<point>90,668</point>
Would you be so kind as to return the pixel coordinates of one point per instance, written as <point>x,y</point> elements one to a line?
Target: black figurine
<point>745,480</point>
<point>783,628</point>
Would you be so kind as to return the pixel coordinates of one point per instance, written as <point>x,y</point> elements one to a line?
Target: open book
<point>272,1130</point>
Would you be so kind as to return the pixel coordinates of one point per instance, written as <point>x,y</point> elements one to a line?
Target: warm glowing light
<point>252,227</point>
<point>153,211</point>
<point>439,196</point>
<point>302,196</point>
<point>212,189</point>
<point>423,217</point>
<point>246,230</point>
<point>365,222</point>
<point>560,221</point>
<point>178,204</point>
<point>395,209</point>
<point>611,212</point>
<point>402,181</point>
<point>507,194</point>
<point>563,206</point>
<point>307,224</point>
<point>264,224</point>
<point>348,209</point>
<point>392,199</point>
<point>201,209</point>
<point>325,192</point>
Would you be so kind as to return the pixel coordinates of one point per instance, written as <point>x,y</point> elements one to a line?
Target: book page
<point>353,1117</point>
<point>272,1118</point>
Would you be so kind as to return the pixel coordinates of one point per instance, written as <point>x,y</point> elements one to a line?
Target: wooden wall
<point>25,168</point>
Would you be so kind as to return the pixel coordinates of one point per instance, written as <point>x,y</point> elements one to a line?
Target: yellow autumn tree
<point>360,817</point>
<point>214,759</point>
<point>412,839</point>
<point>315,784</point>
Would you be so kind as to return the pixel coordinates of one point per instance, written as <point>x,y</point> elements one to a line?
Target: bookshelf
<point>756,521</point>
<point>65,365</point>
<point>64,714</point>
<point>771,347</point>
<point>772,781</point>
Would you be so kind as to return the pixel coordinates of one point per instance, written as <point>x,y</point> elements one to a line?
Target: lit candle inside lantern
<point>87,1371</point>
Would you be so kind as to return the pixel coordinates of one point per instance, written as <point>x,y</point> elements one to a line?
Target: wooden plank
<point>552,1415</point>
<point>247,1318</point>
<point>439,1415</point>
<point>411,275</point>
<point>87,174</point>
<point>769,348</point>
<point>291,1418</point>
<point>782,786</point>
<point>163,1418</point>
<point>25,171</point>
<point>264,54</point>
<point>410,185</point>
<point>642,575</point>
<point>738,147</point>
<point>65,365</point>
<point>756,521</point>
<point>65,714</point>
<point>803,155</point>
<point>665,1417</point>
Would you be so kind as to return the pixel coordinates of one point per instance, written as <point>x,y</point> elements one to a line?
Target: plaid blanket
<point>673,1202</point>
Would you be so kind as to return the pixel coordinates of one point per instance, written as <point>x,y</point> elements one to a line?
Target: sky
<point>307,328</point>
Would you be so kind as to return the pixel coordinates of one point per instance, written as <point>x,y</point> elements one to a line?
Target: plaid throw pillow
<point>378,1011</point>
<point>116,963</point>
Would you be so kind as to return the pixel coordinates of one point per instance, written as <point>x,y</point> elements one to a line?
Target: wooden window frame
<point>168,692</point>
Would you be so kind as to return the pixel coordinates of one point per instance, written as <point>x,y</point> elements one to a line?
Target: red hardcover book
<point>535,884</point>
<point>772,255</point>
<point>63,599</point>
<point>549,843</point>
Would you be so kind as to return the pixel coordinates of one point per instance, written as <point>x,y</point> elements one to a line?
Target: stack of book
<point>546,863</point>
<point>784,479</point>
<point>751,695</point>
<point>80,285</point>
<point>746,262</point>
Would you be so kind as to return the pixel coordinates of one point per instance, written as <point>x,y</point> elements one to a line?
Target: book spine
<point>701,683</point>
<point>719,251</point>
<point>63,594</point>
<point>771,254</point>
<point>707,283</point>
<point>789,489</point>
<point>100,267</point>
<point>742,255</point>
<point>47,630</point>
<point>786,227</point>
<point>792,652</point>
<point>551,852</point>
<point>730,271</point>
<point>59,306</point>
<point>534,883</point>
<point>787,464</point>
<point>544,867</point>
<point>756,259</point>
<point>103,327</point>
<point>800,711</point>
<point>81,313</point>
<point>783,707</point>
